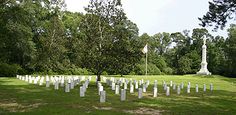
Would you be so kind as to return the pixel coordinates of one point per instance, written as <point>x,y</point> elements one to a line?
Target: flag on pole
<point>145,49</point>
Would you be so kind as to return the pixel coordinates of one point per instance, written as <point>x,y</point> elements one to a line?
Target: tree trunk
<point>98,77</point>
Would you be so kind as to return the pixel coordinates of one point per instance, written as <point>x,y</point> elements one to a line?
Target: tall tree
<point>106,36</point>
<point>162,42</point>
<point>216,55</point>
<point>219,13</point>
<point>50,38</point>
<point>71,21</point>
<point>230,50</point>
<point>16,45</point>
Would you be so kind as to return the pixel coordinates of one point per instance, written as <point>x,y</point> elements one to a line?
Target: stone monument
<point>204,70</point>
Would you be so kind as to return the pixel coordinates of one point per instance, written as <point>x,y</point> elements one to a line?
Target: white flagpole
<point>146,63</point>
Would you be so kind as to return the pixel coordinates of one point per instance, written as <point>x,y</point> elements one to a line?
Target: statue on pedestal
<point>204,70</point>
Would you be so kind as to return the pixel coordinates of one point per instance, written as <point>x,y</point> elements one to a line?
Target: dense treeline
<point>41,37</point>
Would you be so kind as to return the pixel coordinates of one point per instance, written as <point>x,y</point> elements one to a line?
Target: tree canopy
<point>41,37</point>
<point>219,13</point>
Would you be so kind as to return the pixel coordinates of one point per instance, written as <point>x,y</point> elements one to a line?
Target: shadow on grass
<point>34,99</point>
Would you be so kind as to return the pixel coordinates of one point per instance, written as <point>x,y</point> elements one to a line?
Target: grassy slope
<point>19,97</point>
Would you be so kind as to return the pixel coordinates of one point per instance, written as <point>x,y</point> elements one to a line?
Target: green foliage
<point>132,73</point>
<point>184,65</point>
<point>230,52</point>
<point>111,38</point>
<point>168,71</point>
<point>16,45</point>
<point>80,71</point>
<point>151,69</point>
<point>104,73</point>
<point>10,70</point>
<point>49,40</point>
<point>219,12</point>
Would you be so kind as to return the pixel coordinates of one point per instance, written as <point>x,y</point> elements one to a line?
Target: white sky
<point>154,16</point>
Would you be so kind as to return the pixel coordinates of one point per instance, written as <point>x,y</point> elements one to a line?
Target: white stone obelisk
<point>204,70</point>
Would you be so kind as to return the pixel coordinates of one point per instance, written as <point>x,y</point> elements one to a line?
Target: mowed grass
<point>19,97</point>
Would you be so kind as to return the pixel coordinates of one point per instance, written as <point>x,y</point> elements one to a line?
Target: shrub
<point>168,71</point>
<point>80,71</point>
<point>132,73</point>
<point>10,70</point>
<point>152,69</point>
<point>104,73</point>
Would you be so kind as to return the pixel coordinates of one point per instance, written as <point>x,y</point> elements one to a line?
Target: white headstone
<point>155,83</point>
<point>56,85</point>
<point>62,82</point>
<point>123,95</point>
<point>131,88</point>
<point>41,81</point>
<point>140,82</point>
<point>182,85</point>
<point>121,84</point>
<point>147,83</point>
<point>35,81</point>
<point>82,93</point>
<point>171,83</point>
<point>117,89</point>
<point>140,91</point>
<point>188,88</point>
<point>90,78</point>
<point>67,88</point>
<point>103,97</point>
<point>100,89</point>
<point>204,87</point>
<point>196,88</point>
<point>47,83</point>
<point>26,78</point>
<point>144,88</point>
<point>211,87</point>
<point>178,89</point>
<point>30,80</point>
<point>98,85</point>
<point>84,87</point>
<point>113,86</point>
<point>174,86</point>
<point>72,85</point>
<point>83,78</point>
<point>136,85</point>
<point>165,86</point>
<point>167,91</point>
<point>155,92</point>
<point>125,85</point>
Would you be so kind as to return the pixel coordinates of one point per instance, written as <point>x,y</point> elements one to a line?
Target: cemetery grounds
<point>20,97</point>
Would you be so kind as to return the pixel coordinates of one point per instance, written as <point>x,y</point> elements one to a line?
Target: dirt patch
<point>16,107</point>
<point>145,111</point>
<point>103,108</point>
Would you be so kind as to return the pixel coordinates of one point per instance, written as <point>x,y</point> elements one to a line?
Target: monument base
<point>203,72</point>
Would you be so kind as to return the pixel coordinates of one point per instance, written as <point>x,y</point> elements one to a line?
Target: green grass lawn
<point>19,97</point>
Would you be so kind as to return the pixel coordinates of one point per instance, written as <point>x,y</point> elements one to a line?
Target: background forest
<point>41,37</point>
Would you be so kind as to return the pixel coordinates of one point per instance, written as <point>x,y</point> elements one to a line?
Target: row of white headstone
<point>115,85</point>
<point>69,82</point>
<point>179,87</point>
